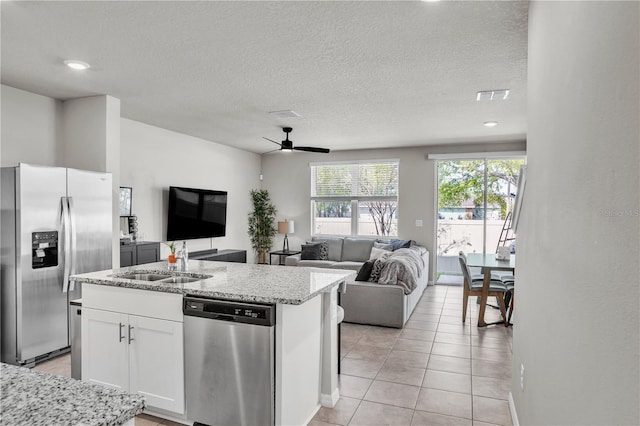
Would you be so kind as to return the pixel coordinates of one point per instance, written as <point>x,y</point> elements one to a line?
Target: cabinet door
<point>105,349</point>
<point>147,253</point>
<point>127,255</point>
<point>157,362</point>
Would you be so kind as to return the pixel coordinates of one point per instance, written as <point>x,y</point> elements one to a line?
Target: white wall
<point>576,315</point>
<point>152,159</point>
<point>30,127</point>
<point>287,176</point>
<point>90,140</point>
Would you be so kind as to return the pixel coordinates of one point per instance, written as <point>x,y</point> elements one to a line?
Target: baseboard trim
<point>512,410</point>
<point>330,400</point>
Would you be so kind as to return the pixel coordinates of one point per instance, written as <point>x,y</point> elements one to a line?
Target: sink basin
<point>143,277</point>
<point>169,278</point>
<point>180,280</point>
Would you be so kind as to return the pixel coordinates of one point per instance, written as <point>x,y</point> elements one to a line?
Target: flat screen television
<point>196,213</point>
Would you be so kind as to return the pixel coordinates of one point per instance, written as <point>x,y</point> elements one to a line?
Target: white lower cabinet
<point>138,354</point>
<point>156,362</point>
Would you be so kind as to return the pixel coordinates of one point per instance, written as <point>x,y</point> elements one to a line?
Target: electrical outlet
<point>521,376</point>
<point>419,223</point>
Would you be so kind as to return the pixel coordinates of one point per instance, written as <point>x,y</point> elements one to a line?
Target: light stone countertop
<point>37,398</point>
<point>233,281</point>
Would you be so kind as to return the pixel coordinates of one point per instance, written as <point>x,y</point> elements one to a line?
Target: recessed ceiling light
<point>492,95</point>
<point>490,123</point>
<point>76,65</point>
<point>285,114</point>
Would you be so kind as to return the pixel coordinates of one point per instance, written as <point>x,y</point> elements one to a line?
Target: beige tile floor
<point>435,371</point>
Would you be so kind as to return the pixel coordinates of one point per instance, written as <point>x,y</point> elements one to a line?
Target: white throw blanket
<point>403,268</point>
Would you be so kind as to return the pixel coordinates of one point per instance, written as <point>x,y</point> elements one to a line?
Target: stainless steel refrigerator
<point>55,222</point>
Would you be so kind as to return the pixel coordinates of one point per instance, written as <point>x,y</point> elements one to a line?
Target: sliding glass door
<point>475,201</point>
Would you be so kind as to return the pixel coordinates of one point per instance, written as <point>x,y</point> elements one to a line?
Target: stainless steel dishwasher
<point>229,362</point>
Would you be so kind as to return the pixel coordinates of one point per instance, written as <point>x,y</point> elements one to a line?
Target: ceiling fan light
<point>490,123</point>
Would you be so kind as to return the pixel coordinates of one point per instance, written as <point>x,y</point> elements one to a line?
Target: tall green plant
<point>261,223</point>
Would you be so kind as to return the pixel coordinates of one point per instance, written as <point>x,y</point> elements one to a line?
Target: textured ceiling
<point>361,74</point>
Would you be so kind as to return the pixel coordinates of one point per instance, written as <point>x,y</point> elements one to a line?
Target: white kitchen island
<point>132,330</point>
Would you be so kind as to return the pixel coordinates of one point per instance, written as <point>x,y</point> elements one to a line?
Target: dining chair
<point>473,287</point>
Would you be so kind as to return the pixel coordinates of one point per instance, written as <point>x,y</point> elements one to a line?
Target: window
<point>355,198</point>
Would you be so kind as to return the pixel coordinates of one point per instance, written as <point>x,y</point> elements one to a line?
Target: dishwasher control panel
<point>224,310</point>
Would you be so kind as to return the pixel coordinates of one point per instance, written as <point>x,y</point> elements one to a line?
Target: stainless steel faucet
<point>183,254</point>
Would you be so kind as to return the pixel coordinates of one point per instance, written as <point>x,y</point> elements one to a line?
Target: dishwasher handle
<point>223,317</point>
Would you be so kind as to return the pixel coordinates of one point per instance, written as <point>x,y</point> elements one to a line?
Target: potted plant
<point>261,223</point>
<point>171,259</point>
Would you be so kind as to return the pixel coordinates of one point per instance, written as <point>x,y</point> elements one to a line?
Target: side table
<point>281,254</point>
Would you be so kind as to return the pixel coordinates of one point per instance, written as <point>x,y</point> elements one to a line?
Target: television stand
<point>227,255</point>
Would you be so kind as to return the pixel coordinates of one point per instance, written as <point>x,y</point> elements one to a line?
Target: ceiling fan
<point>287,145</point>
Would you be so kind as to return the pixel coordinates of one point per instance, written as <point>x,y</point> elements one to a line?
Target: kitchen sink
<point>180,280</point>
<point>142,277</point>
<point>170,278</point>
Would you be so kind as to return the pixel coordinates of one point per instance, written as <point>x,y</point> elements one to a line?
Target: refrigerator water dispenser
<point>44,249</point>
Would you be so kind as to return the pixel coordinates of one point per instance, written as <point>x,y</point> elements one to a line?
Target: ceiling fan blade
<point>277,143</point>
<point>312,149</point>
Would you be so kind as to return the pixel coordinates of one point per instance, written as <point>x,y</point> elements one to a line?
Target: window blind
<point>360,180</point>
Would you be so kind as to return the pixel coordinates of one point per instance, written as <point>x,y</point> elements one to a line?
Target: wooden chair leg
<point>511,306</point>
<point>503,309</point>
<point>465,301</point>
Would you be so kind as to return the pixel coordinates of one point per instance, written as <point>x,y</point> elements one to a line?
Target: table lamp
<point>285,227</point>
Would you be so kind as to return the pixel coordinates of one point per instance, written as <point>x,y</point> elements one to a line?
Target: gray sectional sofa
<point>367,302</point>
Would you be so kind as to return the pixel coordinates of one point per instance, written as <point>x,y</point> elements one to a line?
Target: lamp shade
<point>285,227</point>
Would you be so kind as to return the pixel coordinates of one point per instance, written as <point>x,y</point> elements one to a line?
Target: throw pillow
<point>316,250</point>
<point>365,271</point>
<point>384,246</point>
<point>310,251</point>
<point>324,249</point>
<point>398,244</point>
<point>377,252</point>
<point>378,265</point>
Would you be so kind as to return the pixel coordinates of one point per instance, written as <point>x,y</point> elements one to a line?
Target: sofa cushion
<point>356,249</point>
<point>317,263</point>
<point>365,272</point>
<point>335,247</point>
<point>354,266</point>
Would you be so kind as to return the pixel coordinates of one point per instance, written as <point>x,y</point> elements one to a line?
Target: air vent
<point>492,95</point>
<point>285,114</point>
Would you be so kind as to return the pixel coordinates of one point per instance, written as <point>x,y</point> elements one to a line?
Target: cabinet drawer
<point>153,304</point>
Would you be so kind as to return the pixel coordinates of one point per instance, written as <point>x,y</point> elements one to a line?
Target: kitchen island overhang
<point>306,320</point>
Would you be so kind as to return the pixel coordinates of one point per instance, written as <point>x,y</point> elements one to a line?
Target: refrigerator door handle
<point>66,232</point>
<point>72,222</point>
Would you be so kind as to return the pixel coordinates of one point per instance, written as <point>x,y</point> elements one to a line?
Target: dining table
<point>489,263</point>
